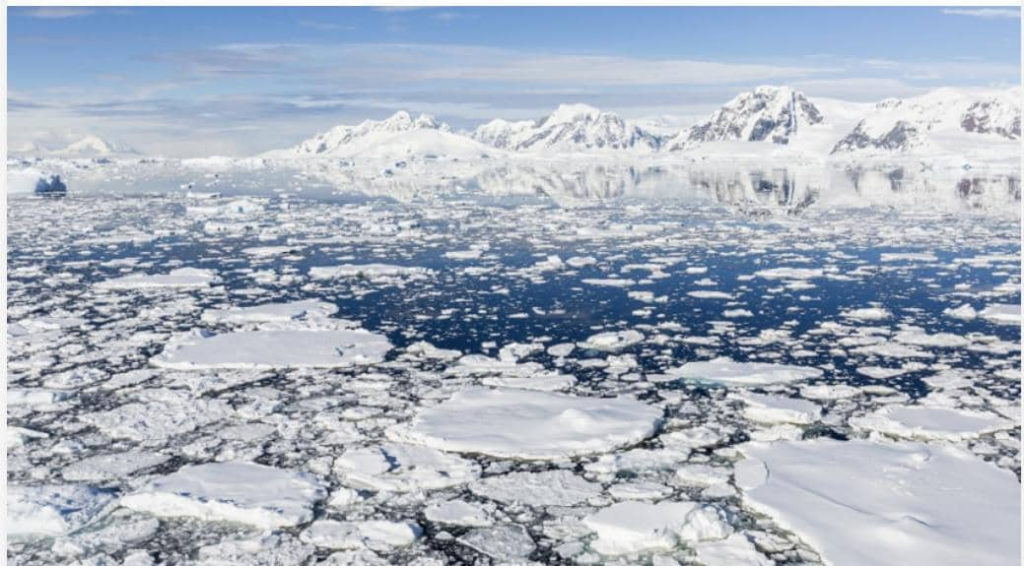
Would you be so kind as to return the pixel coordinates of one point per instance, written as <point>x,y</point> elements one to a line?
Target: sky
<point>243,80</point>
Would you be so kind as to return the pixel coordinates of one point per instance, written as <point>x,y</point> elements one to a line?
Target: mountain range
<point>768,120</point>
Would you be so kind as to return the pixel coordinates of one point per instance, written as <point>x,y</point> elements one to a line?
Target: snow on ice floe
<point>1001,314</point>
<point>771,409</point>
<point>242,492</point>
<point>630,527</point>
<point>731,373</point>
<point>378,535</point>
<point>182,278</point>
<point>931,422</point>
<point>457,513</point>
<point>549,488</point>
<point>612,341</point>
<point>505,543</point>
<point>52,510</point>
<point>157,415</point>
<point>790,273</point>
<point>283,312</point>
<point>861,502</point>
<point>111,466</point>
<point>402,468</point>
<point>268,349</point>
<point>527,424</point>
<point>867,314</point>
<point>373,272</point>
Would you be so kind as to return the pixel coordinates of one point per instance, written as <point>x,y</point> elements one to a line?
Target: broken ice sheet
<point>526,366</point>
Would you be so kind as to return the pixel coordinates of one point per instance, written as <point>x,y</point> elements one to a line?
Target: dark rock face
<point>902,137</point>
<point>767,114</point>
<point>986,117</point>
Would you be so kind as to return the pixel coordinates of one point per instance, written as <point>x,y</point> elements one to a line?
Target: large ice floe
<point>181,278</point>
<point>243,492</point>
<point>931,422</point>
<point>730,373</point>
<point>861,502</point>
<point>533,425</point>
<point>276,349</point>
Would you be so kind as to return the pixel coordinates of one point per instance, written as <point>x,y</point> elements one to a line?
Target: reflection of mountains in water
<point>744,187</point>
<point>789,190</point>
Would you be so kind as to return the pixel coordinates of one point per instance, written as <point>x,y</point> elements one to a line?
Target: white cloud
<point>989,13</point>
<point>376,64</point>
<point>56,12</point>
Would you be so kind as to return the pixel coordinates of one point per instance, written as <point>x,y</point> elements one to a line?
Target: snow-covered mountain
<point>770,122</point>
<point>85,147</point>
<point>94,146</point>
<point>766,114</point>
<point>940,121</point>
<point>570,128</point>
<point>398,136</point>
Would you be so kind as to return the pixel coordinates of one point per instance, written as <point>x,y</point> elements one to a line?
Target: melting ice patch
<point>528,424</point>
<point>861,503</point>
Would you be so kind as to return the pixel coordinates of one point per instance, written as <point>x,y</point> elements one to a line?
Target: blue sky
<point>182,81</point>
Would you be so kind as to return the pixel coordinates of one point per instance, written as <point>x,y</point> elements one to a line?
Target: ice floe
<point>532,425</point>
<point>243,492</point>
<point>181,278</point>
<point>861,502</point>
<point>632,526</point>
<point>731,373</point>
<point>283,312</point>
<point>402,468</point>
<point>276,349</point>
<point>52,510</point>
<point>931,422</point>
<point>550,488</point>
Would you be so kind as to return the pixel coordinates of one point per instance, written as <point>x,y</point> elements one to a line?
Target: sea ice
<point>244,492</point>
<point>866,503</point>
<point>268,349</point>
<point>1001,314</point>
<point>550,488</point>
<point>931,422</point>
<point>403,468</point>
<point>867,314</point>
<point>457,513</point>
<point>111,466</point>
<point>505,543</point>
<point>736,550</point>
<point>377,535</point>
<point>370,271</point>
<point>272,312</point>
<point>770,409</point>
<point>182,278</point>
<point>612,341</point>
<point>52,510</point>
<point>730,373</point>
<point>510,423</point>
<point>633,526</point>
